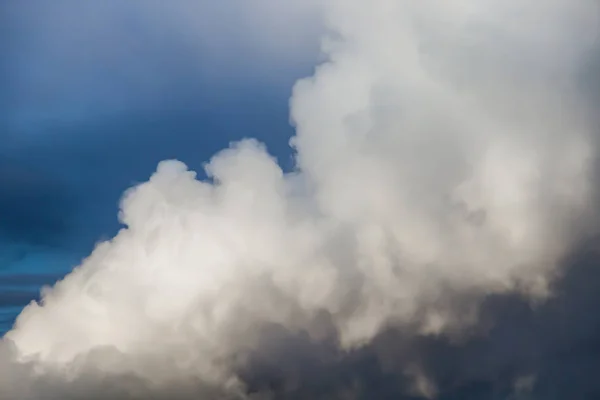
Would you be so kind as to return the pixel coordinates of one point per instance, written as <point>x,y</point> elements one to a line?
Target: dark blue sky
<point>95,94</point>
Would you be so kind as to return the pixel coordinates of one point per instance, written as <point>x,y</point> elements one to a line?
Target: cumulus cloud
<point>444,157</point>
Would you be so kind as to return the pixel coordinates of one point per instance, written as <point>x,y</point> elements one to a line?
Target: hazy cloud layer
<point>67,61</point>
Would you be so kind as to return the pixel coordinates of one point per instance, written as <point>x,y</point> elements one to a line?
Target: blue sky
<point>97,93</point>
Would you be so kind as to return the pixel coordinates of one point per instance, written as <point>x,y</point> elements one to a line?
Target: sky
<point>96,94</point>
<point>390,199</point>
